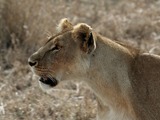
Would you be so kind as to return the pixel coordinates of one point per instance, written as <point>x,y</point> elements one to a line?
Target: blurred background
<point>24,27</point>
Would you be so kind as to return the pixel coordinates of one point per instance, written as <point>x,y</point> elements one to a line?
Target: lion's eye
<point>55,48</point>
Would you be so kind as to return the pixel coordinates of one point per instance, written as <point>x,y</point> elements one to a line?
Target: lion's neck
<point>108,77</point>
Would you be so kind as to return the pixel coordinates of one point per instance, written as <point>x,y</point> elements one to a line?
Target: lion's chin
<point>44,87</point>
<point>47,83</point>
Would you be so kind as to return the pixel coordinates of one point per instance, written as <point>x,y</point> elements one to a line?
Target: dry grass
<point>24,27</point>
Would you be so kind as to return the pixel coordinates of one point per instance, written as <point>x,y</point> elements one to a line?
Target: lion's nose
<point>32,63</point>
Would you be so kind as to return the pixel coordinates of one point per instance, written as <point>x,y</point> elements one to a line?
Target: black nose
<point>32,63</point>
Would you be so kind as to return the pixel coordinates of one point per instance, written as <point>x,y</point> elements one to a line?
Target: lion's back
<point>146,86</point>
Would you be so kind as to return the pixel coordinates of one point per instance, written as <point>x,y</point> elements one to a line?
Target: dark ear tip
<point>90,39</point>
<point>83,36</point>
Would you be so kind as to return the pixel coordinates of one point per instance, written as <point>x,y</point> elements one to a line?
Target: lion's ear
<point>83,33</point>
<point>64,25</point>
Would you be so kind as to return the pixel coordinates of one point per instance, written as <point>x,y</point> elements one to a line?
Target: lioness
<point>125,81</point>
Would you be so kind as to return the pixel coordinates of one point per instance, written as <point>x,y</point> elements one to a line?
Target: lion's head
<point>64,56</point>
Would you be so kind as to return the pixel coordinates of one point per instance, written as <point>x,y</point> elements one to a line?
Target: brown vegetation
<point>24,27</point>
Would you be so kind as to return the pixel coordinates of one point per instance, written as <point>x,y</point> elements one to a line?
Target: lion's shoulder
<point>146,62</point>
<point>145,84</point>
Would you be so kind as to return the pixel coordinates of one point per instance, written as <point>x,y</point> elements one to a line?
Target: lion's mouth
<point>49,81</point>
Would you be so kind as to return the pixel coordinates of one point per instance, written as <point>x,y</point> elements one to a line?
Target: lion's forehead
<point>60,36</point>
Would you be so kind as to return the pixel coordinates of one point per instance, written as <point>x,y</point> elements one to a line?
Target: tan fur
<point>64,25</point>
<point>125,82</point>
